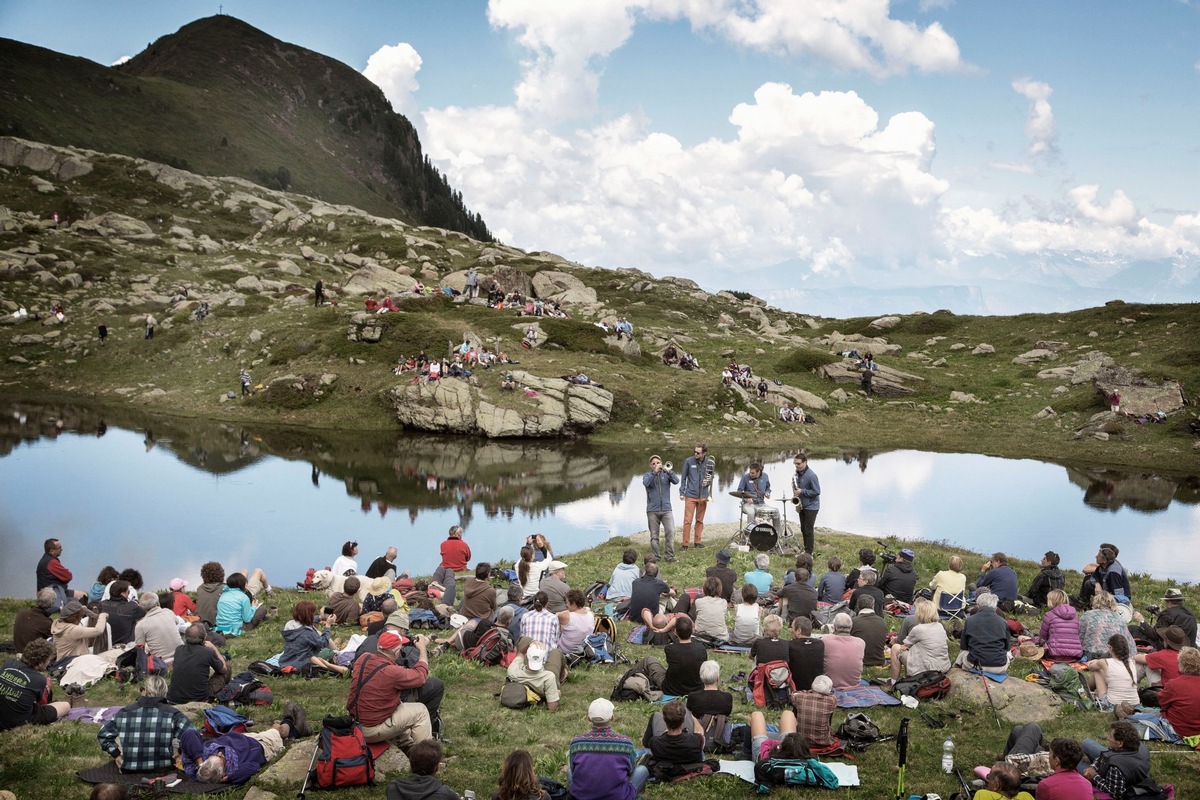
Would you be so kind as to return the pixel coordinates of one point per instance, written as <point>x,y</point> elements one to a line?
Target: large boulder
<point>562,287</point>
<point>1015,700</point>
<point>1035,356</point>
<point>886,382</point>
<point>1140,397</point>
<point>542,407</point>
<point>841,343</point>
<point>116,226</point>
<point>798,397</point>
<point>509,279</point>
<point>372,279</point>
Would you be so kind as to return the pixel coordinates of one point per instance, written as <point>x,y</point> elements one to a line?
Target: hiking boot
<point>299,717</point>
<point>698,544</point>
<point>1125,709</point>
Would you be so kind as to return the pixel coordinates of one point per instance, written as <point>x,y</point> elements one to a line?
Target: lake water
<point>166,495</point>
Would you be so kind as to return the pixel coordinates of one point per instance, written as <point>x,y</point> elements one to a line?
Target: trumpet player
<point>695,491</point>
<point>755,488</point>
<point>658,480</point>
<point>806,492</point>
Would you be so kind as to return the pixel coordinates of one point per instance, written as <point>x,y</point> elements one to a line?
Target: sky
<point>832,156</point>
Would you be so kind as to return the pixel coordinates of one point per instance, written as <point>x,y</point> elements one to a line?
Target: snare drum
<point>763,537</point>
<point>765,514</point>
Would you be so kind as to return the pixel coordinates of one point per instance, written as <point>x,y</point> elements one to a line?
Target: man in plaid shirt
<point>145,736</point>
<point>814,712</point>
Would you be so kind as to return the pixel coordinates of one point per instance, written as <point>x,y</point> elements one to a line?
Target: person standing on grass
<point>807,489</point>
<point>695,492</point>
<point>658,482</point>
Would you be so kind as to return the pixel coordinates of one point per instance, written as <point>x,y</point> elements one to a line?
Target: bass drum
<point>763,537</point>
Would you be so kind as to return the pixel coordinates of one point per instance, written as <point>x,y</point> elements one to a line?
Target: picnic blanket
<point>741,649</point>
<point>108,773</point>
<point>846,774</point>
<point>998,677</point>
<point>98,715</point>
<point>863,696</point>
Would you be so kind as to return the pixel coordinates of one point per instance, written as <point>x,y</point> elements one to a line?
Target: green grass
<point>38,763</point>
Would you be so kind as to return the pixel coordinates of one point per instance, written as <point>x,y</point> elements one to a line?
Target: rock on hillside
<point>540,407</point>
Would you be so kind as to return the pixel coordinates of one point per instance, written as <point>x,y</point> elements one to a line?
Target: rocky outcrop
<point>61,164</point>
<point>1085,370</point>
<point>562,287</point>
<point>1015,700</point>
<point>886,382</point>
<point>1035,356</point>
<point>877,345</point>
<point>1140,397</point>
<point>509,279</point>
<point>539,407</point>
<point>372,279</point>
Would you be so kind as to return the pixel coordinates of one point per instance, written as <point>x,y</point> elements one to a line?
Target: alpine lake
<point>164,495</point>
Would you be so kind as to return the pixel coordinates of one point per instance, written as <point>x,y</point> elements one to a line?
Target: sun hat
<point>1172,594</point>
<point>555,566</point>
<point>1174,637</point>
<point>601,710</point>
<point>177,584</point>
<point>398,619</point>
<point>379,585</point>
<point>1031,650</point>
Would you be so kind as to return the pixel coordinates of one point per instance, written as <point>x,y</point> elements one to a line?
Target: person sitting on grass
<point>759,576</point>
<point>985,638</point>
<point>833,583</point>
<point>1059,631</point>
<point>424,758</point>
<point>769,647</point>
<point>518,779</point>
<point>926,647</point>
<point>1122,768</point>
<point>25,690</point>
<point>344,604</point>
<point>145,736</point>
<point>747,619</point>
<point>684,659</point>
<point>1100,624</point>
<point>1065,783</point>
<point>237,609</point>
<point>303,646</point>
<point>601,762</point>
<point>814,712</point>
<point>541,669</point>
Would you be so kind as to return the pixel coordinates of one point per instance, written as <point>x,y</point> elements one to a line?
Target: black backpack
<point>928,685</point>
<point>240,690</point>
<point>858,728</point>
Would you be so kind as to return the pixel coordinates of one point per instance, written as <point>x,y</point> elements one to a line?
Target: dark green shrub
<point>805,360</point>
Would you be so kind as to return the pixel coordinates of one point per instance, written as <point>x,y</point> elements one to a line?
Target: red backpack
<point>494,647</point>
<point>772,685</point>
<point>343,757</point>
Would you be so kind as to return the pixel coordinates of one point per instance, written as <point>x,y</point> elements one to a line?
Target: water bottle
<point>948,756</point>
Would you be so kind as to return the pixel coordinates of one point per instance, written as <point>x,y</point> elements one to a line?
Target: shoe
<point>684,546</point>
<point>669,559</point>
<point>698,544</point>
<point>299,717</point>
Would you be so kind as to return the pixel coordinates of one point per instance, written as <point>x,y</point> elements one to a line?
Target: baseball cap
<point>908,554</point>
<point>178,584</point>
<point>555,566</point>
<point>389,640</point>
<point>601,710</point>
<point>70,608</point>
<point>535,657</point>
<point>457,621</point>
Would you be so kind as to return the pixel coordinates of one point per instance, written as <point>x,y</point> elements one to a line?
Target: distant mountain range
<point>1033,284</point>
<point>220,97</point>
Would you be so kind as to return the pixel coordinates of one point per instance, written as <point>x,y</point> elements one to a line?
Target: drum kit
<point>760,533</point>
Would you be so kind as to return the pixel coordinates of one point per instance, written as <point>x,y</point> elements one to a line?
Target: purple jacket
<point>1060,632</point>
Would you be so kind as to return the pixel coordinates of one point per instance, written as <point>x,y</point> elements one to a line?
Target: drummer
<point>755,490</point>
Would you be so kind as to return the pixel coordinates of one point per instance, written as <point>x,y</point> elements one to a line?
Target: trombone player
<point>695,491</point>
<point>658,482</point>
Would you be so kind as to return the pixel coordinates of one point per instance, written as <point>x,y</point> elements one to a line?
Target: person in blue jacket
<point>658,483</point>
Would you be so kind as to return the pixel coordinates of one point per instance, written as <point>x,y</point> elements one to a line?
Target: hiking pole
<point>988,691</point>
<point>962,783</point>
<point>312,762</point>
<point>902,757</point>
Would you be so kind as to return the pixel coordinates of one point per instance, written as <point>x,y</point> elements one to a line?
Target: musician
<point>755,488</point>
<point>695,490</point>
<point>807,489</point>
<point>658,505</point>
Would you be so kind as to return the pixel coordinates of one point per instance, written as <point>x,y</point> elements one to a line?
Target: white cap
<point>555,566</point>
<point>601,710</point>
<point>457,620</point>
<point>535,657</point>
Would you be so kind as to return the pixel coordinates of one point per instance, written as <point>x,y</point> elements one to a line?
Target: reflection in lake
<point>165,495</point>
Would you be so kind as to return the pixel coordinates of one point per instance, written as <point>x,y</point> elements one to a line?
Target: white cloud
<point>1039,124</point>
<point>394,68</point>
<point>1120,210</point>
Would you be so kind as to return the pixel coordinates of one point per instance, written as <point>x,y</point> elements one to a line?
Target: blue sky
<point>1037,150</point>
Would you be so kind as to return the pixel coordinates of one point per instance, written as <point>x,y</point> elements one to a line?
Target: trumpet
<point>668,466</point>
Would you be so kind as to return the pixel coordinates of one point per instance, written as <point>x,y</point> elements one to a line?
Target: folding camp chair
<point>951,606</point>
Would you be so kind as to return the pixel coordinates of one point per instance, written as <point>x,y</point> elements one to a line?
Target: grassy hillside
<point>255,254</point>
<point>38,763</point>
<point>220,97</point>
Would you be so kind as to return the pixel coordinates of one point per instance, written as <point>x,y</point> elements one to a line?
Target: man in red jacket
<point>52,574</point>
<point>376,684</point>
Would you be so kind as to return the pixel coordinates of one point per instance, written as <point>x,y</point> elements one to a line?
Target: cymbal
<point>742,495</point>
